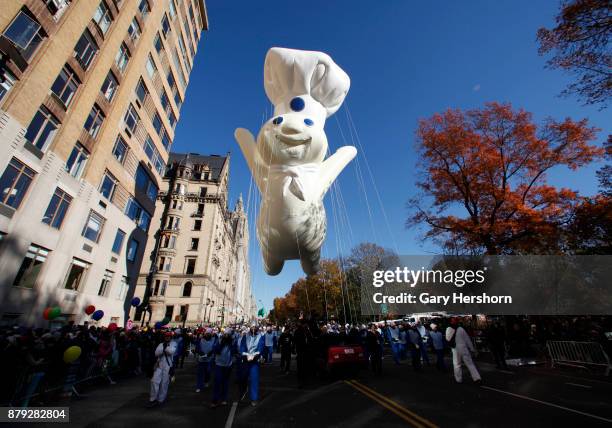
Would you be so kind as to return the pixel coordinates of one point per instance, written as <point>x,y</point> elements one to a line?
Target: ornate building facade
<point>90,94</point>
<point>197,268</point>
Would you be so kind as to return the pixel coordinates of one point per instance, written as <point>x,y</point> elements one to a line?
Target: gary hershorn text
<point>440,300</point>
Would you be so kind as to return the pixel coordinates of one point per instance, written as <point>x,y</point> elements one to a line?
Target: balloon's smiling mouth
<point>294,140</point>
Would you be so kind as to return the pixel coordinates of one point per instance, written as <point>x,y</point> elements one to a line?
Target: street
<point>400,397</point>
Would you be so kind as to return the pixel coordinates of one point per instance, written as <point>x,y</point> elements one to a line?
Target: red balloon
<point>112,326</point>
<point>47,313</point>
<point>90,309</point>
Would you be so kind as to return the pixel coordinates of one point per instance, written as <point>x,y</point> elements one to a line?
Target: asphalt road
<point>522,397</point>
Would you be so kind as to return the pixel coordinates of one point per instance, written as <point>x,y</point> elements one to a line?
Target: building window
<point>65,85</point>
<point>118,242</point>
<point>94,121</point>
<point>197,225</point>
<point>86,49</point>
<point>109,87</point>
<point>132,250</point>
<point>15,182</point>
<point>93,227</point>
<point>76,274</point>
<point>102,17</point>
<point>203,191</point>
<point>31,266</point>
<point>187,289</point>
<point>168,241</point>
<point>123,288</point>
<point>138,214</point>
<point>56,211</point>
<point>165,25</point>
<point>7,81</point>
<point>157,123</point>
<point>144,8</point>
<point>42,128</point>
<point>169,311</point>
<point>105,285</point>
<point>177,204</point>
<point>172,9</point>
<point>145,184</point>
<point>165,264</point>
<point>108,185</point>
<point>77,160</point>
<point>141,91</point>
<point>57,6</point>
<point>173,223</point>
<point>134,30</point>
<point>200,209</point>
<point>151,67</point>
<point>190,266</point>
<point>195,242</point>
<point>120,149</point>
<point>26,34</point>
<point>122,57</point>
<point>131,118</point>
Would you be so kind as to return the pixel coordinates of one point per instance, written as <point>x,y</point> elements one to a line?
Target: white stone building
<point>196,268</point>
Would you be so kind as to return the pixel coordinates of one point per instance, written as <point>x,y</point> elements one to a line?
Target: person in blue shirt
<point>394,341</point>
<point>437,342</point>
<point>224,352</point>
<point>251,349</point>
<point>204,350</point>
<point>269,344</point>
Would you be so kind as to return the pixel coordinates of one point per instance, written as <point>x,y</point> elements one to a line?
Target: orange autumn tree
<point>322,293</point>
<point>483,179</point>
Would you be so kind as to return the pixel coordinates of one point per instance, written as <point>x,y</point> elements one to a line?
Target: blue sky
<point>407,60</point>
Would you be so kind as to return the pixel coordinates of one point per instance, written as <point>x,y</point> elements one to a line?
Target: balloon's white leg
<point>310,262</point>
<point>272,264</point>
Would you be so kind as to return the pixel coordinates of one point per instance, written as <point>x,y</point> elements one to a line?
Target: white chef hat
<point>313,77</point>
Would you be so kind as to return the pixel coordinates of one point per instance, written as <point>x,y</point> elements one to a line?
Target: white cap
<point>308,82</point>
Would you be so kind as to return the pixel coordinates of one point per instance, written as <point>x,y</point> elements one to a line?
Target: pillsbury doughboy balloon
<point>288,160</point>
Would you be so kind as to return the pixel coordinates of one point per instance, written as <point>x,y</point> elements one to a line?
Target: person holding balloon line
<point>251,349</point>
<point>161,374</point>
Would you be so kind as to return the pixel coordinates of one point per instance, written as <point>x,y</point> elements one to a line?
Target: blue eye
<point>308,122</point>
<point>297,104</point>
<point>278,120</point>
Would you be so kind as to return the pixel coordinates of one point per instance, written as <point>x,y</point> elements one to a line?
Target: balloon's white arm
<point>333,166</point>
<point>247,144</point>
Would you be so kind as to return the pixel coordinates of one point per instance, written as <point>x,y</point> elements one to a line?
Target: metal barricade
<point>578,354</point>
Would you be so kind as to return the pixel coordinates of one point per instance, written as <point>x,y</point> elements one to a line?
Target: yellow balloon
<point>72,354</point>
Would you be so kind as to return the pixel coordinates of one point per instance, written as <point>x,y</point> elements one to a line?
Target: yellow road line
<point>410,421</point>
<point>414,418</point>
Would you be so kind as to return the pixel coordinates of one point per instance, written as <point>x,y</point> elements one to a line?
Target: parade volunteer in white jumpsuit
<point>461,351</point>
<point>161,376</point>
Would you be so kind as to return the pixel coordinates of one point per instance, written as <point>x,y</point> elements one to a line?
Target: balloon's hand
<point>247,144</point>
<point>333,166</point>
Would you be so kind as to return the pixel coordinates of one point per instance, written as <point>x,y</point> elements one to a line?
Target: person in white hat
<point>251,349</point>
<point>461,348</point>
<point>437,342</point>
<point>161,374</point>
<point>288,163</point>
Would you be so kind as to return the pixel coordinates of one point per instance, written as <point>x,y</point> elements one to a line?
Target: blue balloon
<point>97,315</point>
<point>136,301</point>
<point>158,325</point>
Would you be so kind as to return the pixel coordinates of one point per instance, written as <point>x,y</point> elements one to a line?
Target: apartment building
<point>197,269</point>
<point>90,94</point>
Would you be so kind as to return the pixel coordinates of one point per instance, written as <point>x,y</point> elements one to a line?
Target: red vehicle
<point>344,358</point>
